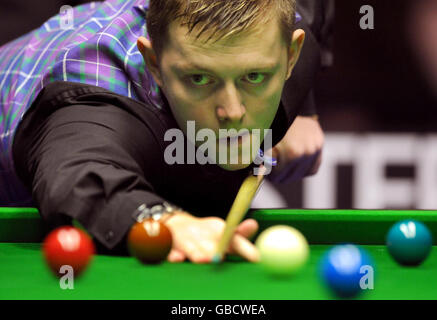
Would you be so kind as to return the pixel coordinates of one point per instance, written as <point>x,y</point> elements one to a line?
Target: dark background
<point>18,17</point>
<point>375,83</point>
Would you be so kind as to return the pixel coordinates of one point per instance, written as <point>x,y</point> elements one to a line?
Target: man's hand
<point>197,238</point>
<point>303,139</point>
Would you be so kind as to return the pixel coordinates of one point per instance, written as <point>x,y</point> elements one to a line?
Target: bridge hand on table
<point>196,238</point>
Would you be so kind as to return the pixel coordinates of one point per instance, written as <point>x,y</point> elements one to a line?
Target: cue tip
<point>217,258</point>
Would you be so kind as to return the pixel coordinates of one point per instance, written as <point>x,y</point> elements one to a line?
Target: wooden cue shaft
<point>241,204</point>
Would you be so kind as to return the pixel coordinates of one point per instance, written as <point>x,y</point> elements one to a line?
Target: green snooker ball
<point>283,250</point>
<point>409,242</point>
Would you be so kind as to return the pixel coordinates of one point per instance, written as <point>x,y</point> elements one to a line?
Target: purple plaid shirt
<point>93,44</point>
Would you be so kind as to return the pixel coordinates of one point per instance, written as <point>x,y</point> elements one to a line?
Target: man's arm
<point>83,162</point>
<point>97,163</point>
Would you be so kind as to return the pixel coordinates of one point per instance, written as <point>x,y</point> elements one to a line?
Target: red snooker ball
<point>68,246</point>
<point>150,241</point>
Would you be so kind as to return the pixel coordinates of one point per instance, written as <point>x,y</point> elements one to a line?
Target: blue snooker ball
<point>409,242</point>
<point>344,269</point>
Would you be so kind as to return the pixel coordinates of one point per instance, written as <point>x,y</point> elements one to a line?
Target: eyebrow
<point>193,66</point>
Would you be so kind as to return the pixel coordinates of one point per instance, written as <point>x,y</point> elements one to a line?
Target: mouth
<point>232,139</point>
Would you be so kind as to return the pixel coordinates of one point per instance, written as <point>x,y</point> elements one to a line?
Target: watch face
<point>155,212</point>
<point>158,209</point>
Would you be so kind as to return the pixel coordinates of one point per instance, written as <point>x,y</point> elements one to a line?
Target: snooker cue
<point>241,204</point>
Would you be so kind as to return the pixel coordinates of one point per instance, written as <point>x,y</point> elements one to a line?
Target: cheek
<point>267,106</point>
<point>186,108</point>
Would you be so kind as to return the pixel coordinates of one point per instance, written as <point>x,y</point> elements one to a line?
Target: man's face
<point>230,84</point>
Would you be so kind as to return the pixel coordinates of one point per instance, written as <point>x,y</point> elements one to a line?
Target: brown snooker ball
<point>150,241</point>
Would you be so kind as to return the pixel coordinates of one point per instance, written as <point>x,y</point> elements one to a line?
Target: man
<point>91,145</point>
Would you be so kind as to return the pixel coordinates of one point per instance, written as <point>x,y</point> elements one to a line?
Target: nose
<point>230,108</point>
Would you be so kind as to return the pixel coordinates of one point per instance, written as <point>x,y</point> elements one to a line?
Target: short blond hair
<point>219,18</point>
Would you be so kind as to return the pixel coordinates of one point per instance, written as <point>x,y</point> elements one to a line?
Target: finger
<point>294,152</point>
<point>244,248</point>
<point>176,255</point>
<point>195,252</point>
<point>248,228</point>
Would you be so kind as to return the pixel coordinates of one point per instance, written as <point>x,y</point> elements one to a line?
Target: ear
<point>295,49</point>
<point>145,47</point>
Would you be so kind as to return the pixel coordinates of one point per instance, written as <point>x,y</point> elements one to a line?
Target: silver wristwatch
<point>155,212</point>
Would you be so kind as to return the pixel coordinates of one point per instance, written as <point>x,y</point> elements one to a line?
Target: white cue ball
<point>283,250</point>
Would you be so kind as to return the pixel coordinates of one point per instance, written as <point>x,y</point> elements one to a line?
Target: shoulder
<point>98,101</point>
<point>106,116</point>
<point>72,118</point>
